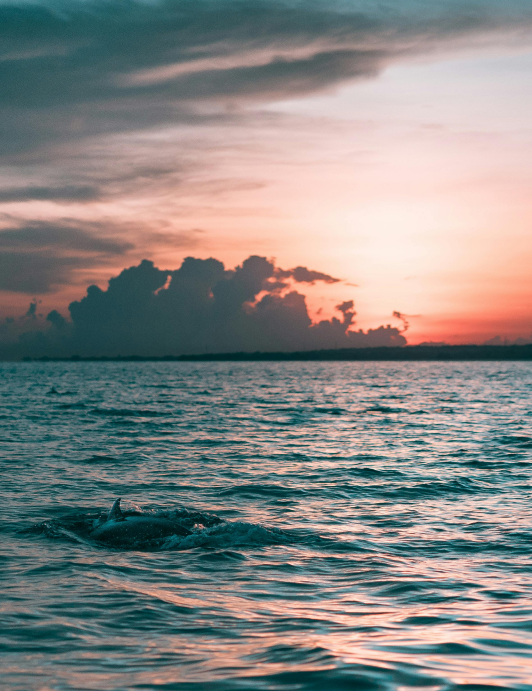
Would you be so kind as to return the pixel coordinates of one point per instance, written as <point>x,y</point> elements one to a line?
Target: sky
<point>384,145</point>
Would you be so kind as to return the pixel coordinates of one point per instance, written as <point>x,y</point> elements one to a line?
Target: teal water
<point>353,526</point>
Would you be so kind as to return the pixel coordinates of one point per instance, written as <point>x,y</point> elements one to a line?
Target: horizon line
<point>432,353</point>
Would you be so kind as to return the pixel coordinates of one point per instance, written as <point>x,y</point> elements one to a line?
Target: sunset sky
<point>387,144</point>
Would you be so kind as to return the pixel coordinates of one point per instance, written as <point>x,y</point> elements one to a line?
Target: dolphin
<point>128,531</point>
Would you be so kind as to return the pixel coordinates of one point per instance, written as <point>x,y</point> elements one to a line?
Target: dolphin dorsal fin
<point>115,514</point>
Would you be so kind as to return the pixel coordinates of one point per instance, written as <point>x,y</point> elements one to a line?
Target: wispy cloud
<point>39,257</point>
<point>65,194</point>
<point>71,70</point>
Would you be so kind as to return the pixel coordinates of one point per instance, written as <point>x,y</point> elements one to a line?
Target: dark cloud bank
<point>39,257</point>
<point>199,308</point>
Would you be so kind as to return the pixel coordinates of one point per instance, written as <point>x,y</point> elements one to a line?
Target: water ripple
<point>352,526</point>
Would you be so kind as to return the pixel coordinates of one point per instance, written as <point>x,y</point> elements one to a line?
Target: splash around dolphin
<point>119,530</point>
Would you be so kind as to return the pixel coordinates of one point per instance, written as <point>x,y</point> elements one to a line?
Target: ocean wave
<point>228,535</point>
<point>383,546</point>
<point>520,441</point>
<point>439,488</point>
<point>128,412</point>
<point>262,490</point>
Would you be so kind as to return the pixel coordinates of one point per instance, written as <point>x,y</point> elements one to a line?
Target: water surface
<point>354,526</point>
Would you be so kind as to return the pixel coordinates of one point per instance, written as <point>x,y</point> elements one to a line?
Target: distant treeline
<point>406,353</point>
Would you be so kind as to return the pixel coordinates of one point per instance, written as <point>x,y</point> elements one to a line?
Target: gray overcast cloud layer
<point>76,69</point>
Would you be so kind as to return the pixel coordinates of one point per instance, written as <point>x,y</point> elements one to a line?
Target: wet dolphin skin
<point>124,531</point>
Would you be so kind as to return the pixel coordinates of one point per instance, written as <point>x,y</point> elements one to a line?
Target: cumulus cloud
<point>199,308</point>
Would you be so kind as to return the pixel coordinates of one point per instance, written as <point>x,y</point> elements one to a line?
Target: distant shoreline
<point>450,353</point>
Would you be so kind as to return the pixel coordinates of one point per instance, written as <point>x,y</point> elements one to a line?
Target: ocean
<point>353,525</point>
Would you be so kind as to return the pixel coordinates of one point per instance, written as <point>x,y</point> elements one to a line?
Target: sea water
<point>353,526</point>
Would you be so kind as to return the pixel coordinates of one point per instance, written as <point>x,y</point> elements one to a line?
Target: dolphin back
<point>136,531</point>
<point>121,530</point>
